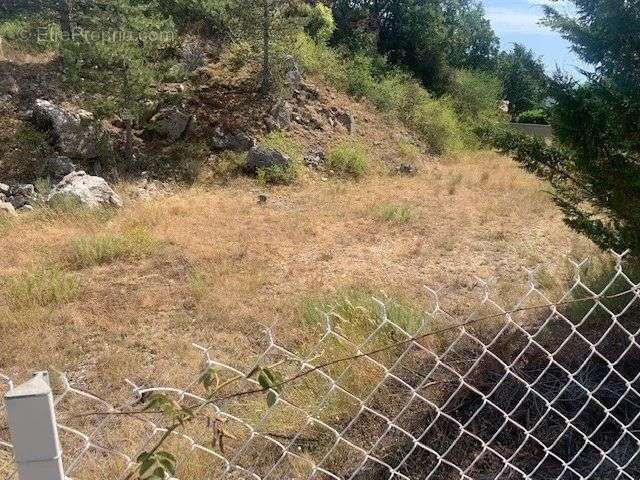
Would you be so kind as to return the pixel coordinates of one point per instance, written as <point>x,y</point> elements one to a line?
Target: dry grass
<point>229,265</point>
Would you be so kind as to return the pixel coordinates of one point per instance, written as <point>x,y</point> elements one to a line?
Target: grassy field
<point>119,294</point>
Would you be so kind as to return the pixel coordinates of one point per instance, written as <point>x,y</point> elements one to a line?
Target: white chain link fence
<point>547,390</point>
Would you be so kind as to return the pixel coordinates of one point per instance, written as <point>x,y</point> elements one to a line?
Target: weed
<point>277,174</point>
<point>228,164</point>
<point>395,213</point>
<point>277,140</point>
<point>42,287</point>
<point>409,151</point>
<point>348,159</point>
<point>109,248</point>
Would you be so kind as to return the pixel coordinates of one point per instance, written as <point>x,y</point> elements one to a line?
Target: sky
<point>518,21</point>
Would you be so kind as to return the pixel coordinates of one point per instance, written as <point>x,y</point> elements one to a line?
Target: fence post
<point>32,425</point>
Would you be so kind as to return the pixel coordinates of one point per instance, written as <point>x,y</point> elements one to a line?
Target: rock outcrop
<point>75,133</point>
<point>262,157</point>
<point>171,123</point>
<point>88,190</point>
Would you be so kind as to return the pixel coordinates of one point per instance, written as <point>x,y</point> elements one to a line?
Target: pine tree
<point>595,166</point>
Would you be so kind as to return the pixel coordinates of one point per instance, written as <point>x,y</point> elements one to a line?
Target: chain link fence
<point>545,390</point>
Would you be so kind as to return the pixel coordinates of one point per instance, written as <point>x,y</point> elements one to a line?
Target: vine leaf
<point>210,378</point>
<point>156,466</point>
<point>272,382</point>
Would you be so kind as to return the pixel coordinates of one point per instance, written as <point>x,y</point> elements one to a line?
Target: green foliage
<point>476,95</point>
<point>228,164</point>
<point>21,152</point>
<point>277,140</point>
<point>271,381</point>
<point>277,174</point>
<point>42,287</point>
<point>109,248</point>
<point>429,37</point>
<point>436,122</point>
<point>321,24</point>
<point>525,83</point>
<point>395,213</point>
<point>156,466</point>
<point>595,165</point>
<point>349,159</point>
<point>537,116</point>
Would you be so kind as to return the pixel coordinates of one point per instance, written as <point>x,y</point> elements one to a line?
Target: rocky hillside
<point>55,144</point>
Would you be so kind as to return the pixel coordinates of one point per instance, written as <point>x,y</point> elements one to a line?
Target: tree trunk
<point>265,87</point>
<point>128,122</point>
<point>65,8</point>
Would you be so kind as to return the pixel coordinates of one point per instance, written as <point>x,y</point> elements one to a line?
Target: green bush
<point>277,140</point>
<point>277,174</point>
<point>436,122</point>
<point>395,213</point>
<point>321,24</point>
<point>350,159</point>
<point>476,95</point>
<point>537,116</point>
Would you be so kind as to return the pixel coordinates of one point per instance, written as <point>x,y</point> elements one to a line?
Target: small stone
<point>26,209</point>
<point>7,209</point>
<point>4,188</point>
<point>262,199</point>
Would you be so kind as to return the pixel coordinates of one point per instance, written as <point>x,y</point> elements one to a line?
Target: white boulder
<point>88,190</point>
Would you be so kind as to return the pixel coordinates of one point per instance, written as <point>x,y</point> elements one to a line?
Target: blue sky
<point>517,21</point>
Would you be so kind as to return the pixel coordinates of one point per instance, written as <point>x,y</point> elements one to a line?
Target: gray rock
<point>406,169</point>
<point>347,120</point>
<point>238,141</point>
<point>75,132</point>
<point>9,86</point>
<point>26,209</point>
<point>88,190</point>
<point>4,188</point>
<point>6,209</point>
<point>262,157</point>
<point>294,73</point>
<point>315,159</point>
<point>56,168</point>
<point>280,115</point>
<point>171,123</point>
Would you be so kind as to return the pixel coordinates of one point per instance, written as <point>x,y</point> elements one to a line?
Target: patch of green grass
<point>68,207</point>
<point>348,159</point>
<point>409,151</point>
<point>395,213</point>
<point>109,248</point>
<point>42,287</point>
<point>277,140</point>
<point>357,313</point>
<point>228,164</point>
<point>277,174</point>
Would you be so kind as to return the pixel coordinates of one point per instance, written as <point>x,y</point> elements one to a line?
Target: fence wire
<point>546,390</point>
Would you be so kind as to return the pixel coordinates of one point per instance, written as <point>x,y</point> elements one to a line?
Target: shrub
<point>437,124</point>
<point>321,24</point>
<point>476,96</point>
<point>109,248</point>
<point>360,82</point>
<point>42,287</point>
<point>228,164</point>
<point>348,159</point>
<point>537,116</point>
<point>277,174</point>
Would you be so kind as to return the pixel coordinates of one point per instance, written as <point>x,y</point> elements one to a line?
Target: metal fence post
<point>32,425</point>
